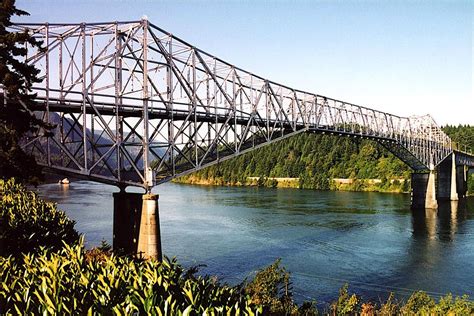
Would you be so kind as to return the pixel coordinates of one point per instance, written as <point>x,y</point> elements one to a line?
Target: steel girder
<point>135,105</point>
<point>464,158</point>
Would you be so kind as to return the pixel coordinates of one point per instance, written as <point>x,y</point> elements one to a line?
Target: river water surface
<point>372,241</point>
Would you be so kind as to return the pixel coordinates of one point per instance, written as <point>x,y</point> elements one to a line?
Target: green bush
<point>457,306</point>
<point>271,289</point>
<point>346,304</point>
<point>419,303</point>
<point>66,282</point>
<point>28,222</point>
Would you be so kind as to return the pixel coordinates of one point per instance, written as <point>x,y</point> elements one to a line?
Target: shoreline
<point>336,184</point>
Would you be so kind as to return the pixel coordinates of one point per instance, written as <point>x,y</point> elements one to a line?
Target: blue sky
<point>403,57</point>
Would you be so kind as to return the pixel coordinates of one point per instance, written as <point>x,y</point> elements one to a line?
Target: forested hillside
<point>316,159</point>
<point>462,135</point>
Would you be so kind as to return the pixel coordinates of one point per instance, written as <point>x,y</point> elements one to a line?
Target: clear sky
<point>402,57</point>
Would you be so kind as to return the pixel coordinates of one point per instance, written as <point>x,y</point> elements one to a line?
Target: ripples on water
<point>370,240</point>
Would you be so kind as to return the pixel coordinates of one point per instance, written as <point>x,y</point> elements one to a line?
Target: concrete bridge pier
<point>448,180</point>
<point>149,237</point>
<point>423,192</point>
<point>462,174</point>
<point>137,225</point>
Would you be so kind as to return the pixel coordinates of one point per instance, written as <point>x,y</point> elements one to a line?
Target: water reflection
<point>441,224</point>
<point>435,259</point>
<point>63,190</point>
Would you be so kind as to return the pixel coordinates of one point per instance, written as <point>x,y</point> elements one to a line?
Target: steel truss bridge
<point>134,105</point>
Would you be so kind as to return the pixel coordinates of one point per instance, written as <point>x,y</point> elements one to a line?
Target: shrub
<point>28,222</point>
<point>346,304</point>
<point>270,288</point>
<point>65,282</point>
<point>389,307</point>
<point>418,303</point>
<point>457,306</point>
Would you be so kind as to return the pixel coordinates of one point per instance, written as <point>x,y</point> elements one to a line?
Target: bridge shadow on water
<point>443,224</point>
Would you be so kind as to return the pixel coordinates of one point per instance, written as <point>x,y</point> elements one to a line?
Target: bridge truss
<point>135,105</point>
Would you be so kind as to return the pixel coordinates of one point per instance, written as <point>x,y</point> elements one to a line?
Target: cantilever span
<point>135,105</point>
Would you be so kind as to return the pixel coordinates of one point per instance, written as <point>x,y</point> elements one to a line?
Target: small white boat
<point>64,181</point>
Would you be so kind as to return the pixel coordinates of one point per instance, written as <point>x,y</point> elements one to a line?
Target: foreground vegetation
<point>315,160</point>
<point>39,276</point>
<point>70,281</point>
<point>28,223</point>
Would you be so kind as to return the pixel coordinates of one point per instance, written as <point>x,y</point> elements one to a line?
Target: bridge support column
<point>137,225</point>
<point>462,173</point>
<point>149,239</point>
<point>448,180</point>
<point>423,194</point>
<point>127,212</point>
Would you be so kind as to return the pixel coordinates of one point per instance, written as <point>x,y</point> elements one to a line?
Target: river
<point>372,241</point>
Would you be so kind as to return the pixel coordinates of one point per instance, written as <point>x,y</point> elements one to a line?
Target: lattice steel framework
<point>135,105</point>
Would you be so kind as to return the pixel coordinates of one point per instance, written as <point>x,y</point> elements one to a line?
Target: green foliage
<point>462,136</point>
<point>28,222</point>
<point>271,288</point>
<point>16,79</point>
<point>457,306</point>
<point>463,139</point>
<point>65,282</point>
<point>418,303</point>
<point>346,304</point>
<point>314,159</point>
<point>390,307</point>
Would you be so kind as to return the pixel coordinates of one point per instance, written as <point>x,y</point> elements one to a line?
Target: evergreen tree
<point>16,80</point>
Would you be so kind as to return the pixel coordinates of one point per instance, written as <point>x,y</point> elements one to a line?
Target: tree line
<point>316,159</point>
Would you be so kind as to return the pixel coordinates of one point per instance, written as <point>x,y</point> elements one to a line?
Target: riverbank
<point>399,185</point>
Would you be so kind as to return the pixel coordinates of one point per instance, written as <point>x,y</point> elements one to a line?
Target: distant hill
<point>74,141</point>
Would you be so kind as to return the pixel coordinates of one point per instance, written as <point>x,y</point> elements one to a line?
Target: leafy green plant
<point>65,282</point>
<point>346,304</point>
<point>271,288</point>
<point>418,303</point>
<point>28,222</point>
<point>390,307</point>
<point>448,305</point>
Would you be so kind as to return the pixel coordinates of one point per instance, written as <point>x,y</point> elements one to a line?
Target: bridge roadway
<point>220,115</point>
